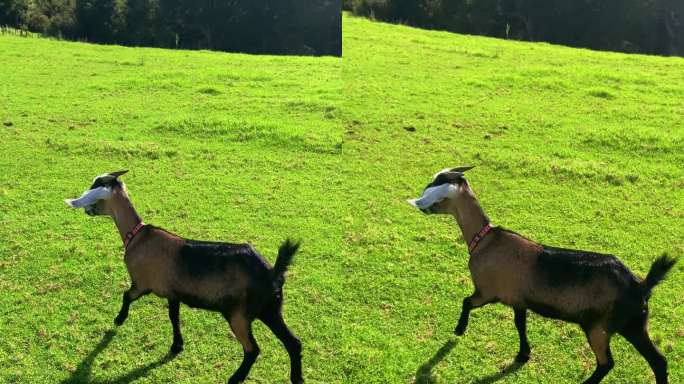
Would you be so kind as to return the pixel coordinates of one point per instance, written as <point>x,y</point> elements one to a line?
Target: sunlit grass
<point>219,146</point>
<point>573,148</point>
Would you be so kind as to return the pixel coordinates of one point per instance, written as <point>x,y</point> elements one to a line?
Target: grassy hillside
<point>573,148</point>
<point>220,146</point>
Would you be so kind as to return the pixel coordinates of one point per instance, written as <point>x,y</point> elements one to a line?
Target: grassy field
<point>220,146</point>
<point>574,148</point>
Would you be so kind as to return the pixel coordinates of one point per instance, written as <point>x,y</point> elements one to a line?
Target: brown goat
<point>596,291</point>
<point>232,279</point>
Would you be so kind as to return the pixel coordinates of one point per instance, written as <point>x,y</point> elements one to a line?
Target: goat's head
<point>442,192</point>
<point>95,200</point>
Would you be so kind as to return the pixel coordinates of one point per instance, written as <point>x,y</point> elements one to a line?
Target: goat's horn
<point>118,173</point>
<point>462,169</point>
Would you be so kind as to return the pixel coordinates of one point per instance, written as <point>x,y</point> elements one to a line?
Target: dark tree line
<point>643,26</point>
<point>304,27</point>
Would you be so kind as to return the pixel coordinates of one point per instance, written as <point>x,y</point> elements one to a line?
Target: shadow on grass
<point>83,371</point>
<point>424,373</point>
<point>493,378</point>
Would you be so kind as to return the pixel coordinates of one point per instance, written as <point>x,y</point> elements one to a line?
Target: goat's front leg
<point>521,325</point>
<point>477,300</point>
<point>129,296</point>
<point>174,316</point>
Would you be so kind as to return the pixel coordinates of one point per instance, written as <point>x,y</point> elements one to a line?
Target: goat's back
<point>222,276</point>
<point>561,268</point>
<point>203,259</point>
<point>581,286</point>
<point>211,275</point>
<point>559,283</point>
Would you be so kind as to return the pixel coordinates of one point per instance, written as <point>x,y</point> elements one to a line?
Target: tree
<point>96,20</point>
<point>14,12</point>
<point>142,24</point>
<point>647,26</point>
<point>57,16</point>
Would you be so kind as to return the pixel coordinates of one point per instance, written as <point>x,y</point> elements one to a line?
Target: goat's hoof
<point>119,320</point>
<point>176,349</point>
<point>459,331</point>
<point>234,380</point>
<point>522,358</point>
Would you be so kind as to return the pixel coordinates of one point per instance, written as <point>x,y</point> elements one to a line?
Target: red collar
<point>130,235</point>
<point>479,236</point>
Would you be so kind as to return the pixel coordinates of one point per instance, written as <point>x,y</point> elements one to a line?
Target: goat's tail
<point>658,271</point>
<point>286,253</point>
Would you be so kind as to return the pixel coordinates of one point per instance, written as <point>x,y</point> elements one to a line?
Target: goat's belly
<point>163,293</point>
<point>579,315</point>
<point>224,304</point>
<point>550,312</point>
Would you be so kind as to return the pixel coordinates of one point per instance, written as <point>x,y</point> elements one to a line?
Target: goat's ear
<point>461,169</point>
<point>118,173</point>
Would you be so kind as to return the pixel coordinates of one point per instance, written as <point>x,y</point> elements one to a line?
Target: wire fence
<point>5,30</point>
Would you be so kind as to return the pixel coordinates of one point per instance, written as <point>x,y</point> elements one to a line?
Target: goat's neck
<point>469,215</point>
<point>124,215</point>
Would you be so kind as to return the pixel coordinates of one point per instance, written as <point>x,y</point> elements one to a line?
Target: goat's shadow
<point>82,373</point>
<point>493,378</point>
<point>424,373</point>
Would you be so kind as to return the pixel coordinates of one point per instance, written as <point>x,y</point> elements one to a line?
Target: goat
<point>232,279</point>
<point>596,291</point>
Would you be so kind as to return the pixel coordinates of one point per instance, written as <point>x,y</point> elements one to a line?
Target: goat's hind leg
<point>638,337</point>
<point>476,300</point>
<point>275,322</point>
<point>129,296</point>
<point>599,340</point>
<point>242,328</point>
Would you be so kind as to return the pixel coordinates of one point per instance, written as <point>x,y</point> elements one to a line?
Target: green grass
<point>220,147</point>
<point>574,148</point>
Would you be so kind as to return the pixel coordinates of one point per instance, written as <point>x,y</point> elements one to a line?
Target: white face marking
<point>445,170</point>
<point>104,175</point>
<point>90,197</point>
<point>434,195</point>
